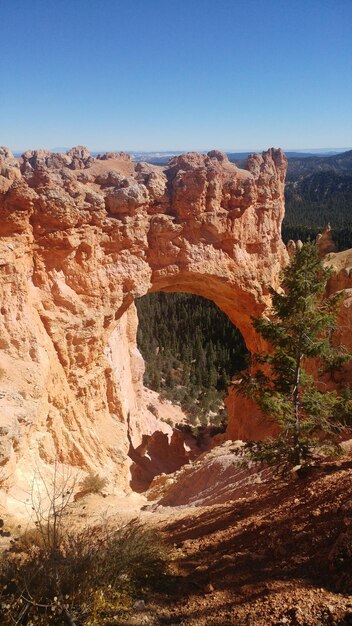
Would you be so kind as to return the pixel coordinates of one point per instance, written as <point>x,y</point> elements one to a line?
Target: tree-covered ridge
<point>298,166</point>
<point>315,200</point>
<point>190,349</point>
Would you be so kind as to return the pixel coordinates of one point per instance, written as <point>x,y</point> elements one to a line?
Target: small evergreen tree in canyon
<point>300,328</point>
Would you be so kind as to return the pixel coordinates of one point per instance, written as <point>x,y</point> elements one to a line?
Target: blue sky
<point>176,74</point>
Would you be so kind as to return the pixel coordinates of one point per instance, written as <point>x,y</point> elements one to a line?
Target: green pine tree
<point>300,327</point>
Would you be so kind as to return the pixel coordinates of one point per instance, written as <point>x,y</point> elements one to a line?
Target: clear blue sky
<point>176,74</point>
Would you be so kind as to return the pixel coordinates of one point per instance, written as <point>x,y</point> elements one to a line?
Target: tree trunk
<point>296,431</point>
<point>295,400</point>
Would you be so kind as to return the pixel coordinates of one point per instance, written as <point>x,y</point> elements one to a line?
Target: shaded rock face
<point>325,242</point>
<point>81,238</point>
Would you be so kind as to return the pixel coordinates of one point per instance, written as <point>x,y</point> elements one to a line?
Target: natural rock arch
<point>81,237</point>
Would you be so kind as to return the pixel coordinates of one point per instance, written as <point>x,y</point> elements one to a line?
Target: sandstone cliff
<point>81,238</point>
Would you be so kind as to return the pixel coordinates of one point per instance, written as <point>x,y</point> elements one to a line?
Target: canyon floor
<point>247,547</point>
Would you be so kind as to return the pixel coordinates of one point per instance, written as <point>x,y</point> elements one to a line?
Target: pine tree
<point>300,327</point>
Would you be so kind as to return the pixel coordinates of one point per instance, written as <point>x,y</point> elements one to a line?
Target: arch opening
<point>191,351</point>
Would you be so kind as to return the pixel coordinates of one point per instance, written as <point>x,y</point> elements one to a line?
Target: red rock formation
<point>81,238</point>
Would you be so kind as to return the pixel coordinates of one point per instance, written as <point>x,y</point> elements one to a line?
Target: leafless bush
<point>52,577</point>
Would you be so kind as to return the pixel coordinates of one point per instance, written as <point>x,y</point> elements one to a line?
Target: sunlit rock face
<point>81,238</point>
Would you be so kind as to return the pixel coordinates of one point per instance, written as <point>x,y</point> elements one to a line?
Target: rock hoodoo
<point>81,238</point>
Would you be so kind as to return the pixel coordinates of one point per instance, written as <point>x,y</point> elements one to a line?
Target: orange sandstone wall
<point>80,239</point>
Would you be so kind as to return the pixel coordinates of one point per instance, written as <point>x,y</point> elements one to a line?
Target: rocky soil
<point>248,547</point>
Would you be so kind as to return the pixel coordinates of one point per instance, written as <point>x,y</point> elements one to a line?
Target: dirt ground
<point>278,553</point>
<point>247,548</point>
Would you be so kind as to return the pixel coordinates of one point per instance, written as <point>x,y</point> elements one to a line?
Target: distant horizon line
<point>170,151</point>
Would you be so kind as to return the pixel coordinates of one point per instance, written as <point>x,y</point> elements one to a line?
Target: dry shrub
<point>137,556</point>
<point>93,483</point>
<point>84,580</point>
<point>35,537</point>
<point>153,409</point>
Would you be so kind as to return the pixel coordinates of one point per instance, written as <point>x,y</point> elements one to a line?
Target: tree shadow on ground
<point>285,532</point>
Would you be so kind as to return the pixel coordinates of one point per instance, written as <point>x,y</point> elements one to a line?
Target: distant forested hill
<point>319,191</point>
<point>338,163</point>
